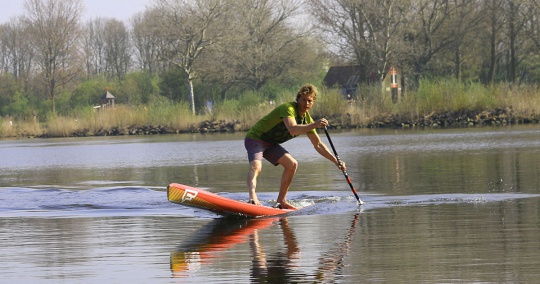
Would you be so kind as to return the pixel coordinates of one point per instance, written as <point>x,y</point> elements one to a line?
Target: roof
<point>342,76</point>
<point>107,95</point>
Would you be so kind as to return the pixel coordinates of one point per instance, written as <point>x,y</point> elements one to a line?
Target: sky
<point>118,9</point>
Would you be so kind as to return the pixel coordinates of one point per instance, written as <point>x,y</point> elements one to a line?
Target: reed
<point>433,96</point>
<point>22,128</point>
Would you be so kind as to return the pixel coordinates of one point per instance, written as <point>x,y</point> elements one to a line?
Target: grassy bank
<point>441,97</point>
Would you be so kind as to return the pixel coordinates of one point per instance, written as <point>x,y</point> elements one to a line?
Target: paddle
<point>360,202</point>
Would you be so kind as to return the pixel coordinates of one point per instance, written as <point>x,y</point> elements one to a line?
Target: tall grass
<point>22,128</point>
<point>122,117</point>
<point>432,96</point>
<point>249,108</point>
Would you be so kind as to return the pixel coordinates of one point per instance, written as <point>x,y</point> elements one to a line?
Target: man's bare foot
<point>254,201</point>
<point>284,205</point>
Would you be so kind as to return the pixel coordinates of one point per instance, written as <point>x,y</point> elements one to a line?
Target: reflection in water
<point>217,236</point>
<point>332,261</point>
<point>280,266</point>
<point>276,268</point>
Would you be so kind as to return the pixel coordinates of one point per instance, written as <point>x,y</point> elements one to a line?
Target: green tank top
<point>271,127</point>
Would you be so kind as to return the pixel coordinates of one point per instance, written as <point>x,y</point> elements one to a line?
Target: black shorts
<point>258,149</point>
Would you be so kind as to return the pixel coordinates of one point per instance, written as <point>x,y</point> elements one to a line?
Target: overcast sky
<point>118,9</point>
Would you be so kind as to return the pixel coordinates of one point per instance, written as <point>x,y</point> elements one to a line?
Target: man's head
<point>306,91</point>
<point>305,98</point>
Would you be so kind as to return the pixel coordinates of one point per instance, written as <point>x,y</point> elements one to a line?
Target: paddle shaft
<point>341,166</point>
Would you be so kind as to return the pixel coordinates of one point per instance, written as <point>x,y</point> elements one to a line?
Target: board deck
<point>200,198</point>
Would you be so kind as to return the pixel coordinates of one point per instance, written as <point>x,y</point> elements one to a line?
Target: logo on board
<point>189,195</point>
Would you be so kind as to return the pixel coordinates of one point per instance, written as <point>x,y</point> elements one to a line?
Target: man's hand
<point>342,166</point>
<point>322,123</point>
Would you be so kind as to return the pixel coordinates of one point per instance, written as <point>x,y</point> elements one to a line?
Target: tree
<point>428,35</point>
<point>189,28</point>
<point>515,25</point>
<point>464,24</point>
<point>263,44</point>
<point>94,47</point>
<point>55,29</point>
<point>495,21</point>
<point>117,49</point>
<point>148,45</point>
<point>17,50</point>
<point>369,32</point>
<point>107,48</point>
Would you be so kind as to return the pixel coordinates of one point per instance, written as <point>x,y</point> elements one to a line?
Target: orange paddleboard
<point>200,198</point>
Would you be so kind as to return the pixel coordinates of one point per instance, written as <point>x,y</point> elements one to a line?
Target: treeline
<point>196,51</point>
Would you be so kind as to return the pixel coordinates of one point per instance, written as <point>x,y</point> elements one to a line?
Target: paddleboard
<point>202,199</point>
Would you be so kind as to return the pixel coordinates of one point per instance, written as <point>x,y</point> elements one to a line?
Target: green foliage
<point>173,85</point>
<point>63,102</point>
<point>137,88</point>
<point>532,65</point>
<point>451,95</point>
<point>250,99</point>
<point>162,111</point>
<point>274,91</point>
<point>89,93</point>
<point>8,87</point>
<point>329,103</point>
<point>18,107</point>
<point>429,97</point>
<point>227,110</point>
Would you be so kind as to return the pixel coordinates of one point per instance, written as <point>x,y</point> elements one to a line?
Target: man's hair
<point>307,90</point>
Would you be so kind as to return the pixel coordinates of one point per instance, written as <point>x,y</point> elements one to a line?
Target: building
<point>107,100</point>
<point>347,78</point>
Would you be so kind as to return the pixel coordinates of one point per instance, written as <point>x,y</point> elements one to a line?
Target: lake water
<point>442,206</point>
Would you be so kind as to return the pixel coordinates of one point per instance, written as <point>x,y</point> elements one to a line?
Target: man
<point>283,123</point>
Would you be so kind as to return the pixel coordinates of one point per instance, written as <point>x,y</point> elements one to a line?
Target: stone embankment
<point>203,127</point>
<point>447,120</point>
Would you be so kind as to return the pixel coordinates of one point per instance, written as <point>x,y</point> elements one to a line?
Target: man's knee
<point>291,164</point>
<point>255,167</point>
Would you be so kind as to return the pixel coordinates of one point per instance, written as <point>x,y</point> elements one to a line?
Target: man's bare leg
<point>290,165</point>
<point>255,168</point>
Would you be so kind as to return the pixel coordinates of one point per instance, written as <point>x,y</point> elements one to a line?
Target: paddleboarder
<point>283,123</point>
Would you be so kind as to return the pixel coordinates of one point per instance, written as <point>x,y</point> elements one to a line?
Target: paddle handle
<point>360,202</point>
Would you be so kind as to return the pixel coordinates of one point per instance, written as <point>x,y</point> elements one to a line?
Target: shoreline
<point>461,119</point>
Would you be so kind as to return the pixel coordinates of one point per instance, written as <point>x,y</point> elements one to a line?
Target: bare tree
<point>428,34</point>
<point>369,32</point>
<point>107,48</point>
<point>464,24</point>
<point>514,26</point>
<point>17,50</point>
<point>189,28</point>
<point>148,45</point>
<point>55,29</point>
<point>495,21</point>
<point>263,44</point>
<point>117,48</point>
<point>94,46</point>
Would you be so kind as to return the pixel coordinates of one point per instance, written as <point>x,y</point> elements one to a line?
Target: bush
<point>329,103</point>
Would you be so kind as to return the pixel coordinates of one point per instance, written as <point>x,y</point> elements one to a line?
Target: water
<point>442,206</point>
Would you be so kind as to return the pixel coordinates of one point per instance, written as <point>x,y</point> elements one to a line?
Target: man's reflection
<point>275,268</point>
<point>267,267</point>
<point>217,236</point>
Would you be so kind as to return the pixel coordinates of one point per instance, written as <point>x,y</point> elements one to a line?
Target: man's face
<point>305,103</point>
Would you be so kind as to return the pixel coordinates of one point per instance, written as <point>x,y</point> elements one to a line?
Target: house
<point>107,100</point>
<point>347,78</point>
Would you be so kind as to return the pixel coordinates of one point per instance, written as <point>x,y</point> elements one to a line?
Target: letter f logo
<point>189,195</point>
